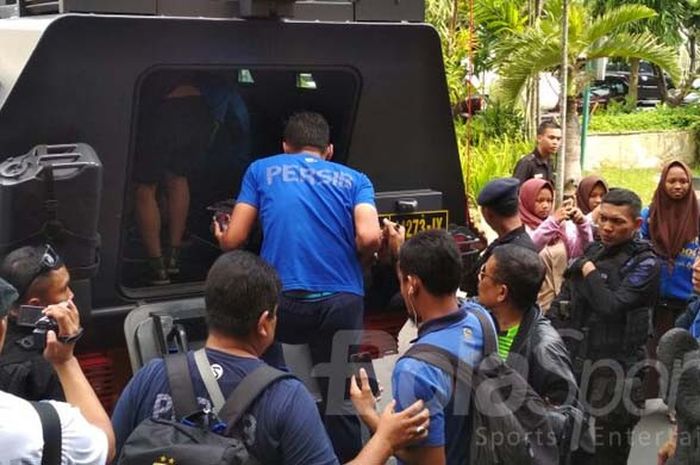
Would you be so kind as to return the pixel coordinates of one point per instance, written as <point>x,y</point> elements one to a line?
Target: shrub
<point>497,121</point>
<point>493,158</point>
<point>661,118</point>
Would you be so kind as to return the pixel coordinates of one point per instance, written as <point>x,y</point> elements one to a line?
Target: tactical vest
<point>623,338</point>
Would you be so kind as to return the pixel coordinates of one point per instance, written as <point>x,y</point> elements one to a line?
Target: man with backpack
<point>482,411</point>
<point>54,433</point>
<point>280,424</point>
<point>429,273</point>
<point>508,285</point>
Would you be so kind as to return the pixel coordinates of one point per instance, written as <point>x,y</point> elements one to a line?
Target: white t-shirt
<point>22,442</point>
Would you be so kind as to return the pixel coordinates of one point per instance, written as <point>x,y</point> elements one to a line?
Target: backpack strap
<point>448,362</point>
<point>489,335</point>
<point>247,391</point>
<point>51,431</point>
<point>217,397</point>
<point>460,372</point>
<point>181,389</point>
<point>441,358</point>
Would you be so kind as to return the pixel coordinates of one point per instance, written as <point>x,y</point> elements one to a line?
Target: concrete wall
<point>639,149</point>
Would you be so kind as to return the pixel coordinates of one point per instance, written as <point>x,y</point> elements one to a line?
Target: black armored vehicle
<point>78,79</point>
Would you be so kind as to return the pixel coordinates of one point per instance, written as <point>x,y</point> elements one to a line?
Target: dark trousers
<point>664,318</point>
<point>614,423</point>
<point>316,322</point>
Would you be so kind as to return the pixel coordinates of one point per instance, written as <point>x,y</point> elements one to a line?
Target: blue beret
<point>500,190</point>
<point>8,297</point>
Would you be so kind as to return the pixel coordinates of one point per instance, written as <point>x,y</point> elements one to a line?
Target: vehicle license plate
<point>419,221</point>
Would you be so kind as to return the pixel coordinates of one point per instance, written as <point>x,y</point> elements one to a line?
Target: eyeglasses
<point>483,274</point>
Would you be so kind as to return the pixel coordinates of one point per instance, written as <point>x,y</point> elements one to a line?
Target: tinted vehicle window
<point>195,134</point>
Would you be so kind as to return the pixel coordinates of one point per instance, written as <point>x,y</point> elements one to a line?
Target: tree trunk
<point>633,91</point>
<point>572,169</point>
<point>530,111</point>
<point>663,87</point>
<point>692,41</point>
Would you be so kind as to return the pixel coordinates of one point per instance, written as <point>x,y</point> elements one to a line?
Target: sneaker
<point>173,262</point>
<point>156,274</point>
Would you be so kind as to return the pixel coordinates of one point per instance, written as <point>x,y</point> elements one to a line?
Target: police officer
<point>603,313</point>
<point>499,207</point>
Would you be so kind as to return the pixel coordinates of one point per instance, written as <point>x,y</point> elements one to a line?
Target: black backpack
<point>508,418</point>
<point>190,439</point>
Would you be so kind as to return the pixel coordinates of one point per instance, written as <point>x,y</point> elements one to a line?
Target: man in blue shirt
<point>319,223</point>
<point>282,426</point>
<point>429,271</point>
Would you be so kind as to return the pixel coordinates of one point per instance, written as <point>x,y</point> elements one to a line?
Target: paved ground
<point>651,432</point>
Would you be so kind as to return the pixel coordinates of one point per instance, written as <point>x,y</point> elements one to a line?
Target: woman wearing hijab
<point>671,223</point>
<point>559,236</point>
<point>589,196</point>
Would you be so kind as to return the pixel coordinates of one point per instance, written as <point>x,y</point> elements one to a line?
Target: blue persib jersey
<point>459,333</point>
<point>306,207</point>
<point>281,427</point>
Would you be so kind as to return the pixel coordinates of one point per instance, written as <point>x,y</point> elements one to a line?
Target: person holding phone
<point>41,279</point>
<point>559,235</point>
<point>85,432</point>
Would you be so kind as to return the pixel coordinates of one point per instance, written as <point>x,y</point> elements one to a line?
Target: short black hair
<point>434,258</point>
<point>621,197</point>
<point>522,270</point>
<point>547,124</point>
<point>307,129</point>
<point>240,286</point>
<point>25,265</point>
<point>505,208</point>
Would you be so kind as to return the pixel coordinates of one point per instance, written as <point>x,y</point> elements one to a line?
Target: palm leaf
<point>644,46</point>
<point>615,19</point>
<point>526,61</point>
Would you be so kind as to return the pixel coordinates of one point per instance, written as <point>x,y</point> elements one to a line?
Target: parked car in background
<point>648,89</point>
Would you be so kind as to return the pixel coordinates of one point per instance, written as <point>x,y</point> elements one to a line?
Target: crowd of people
<point>564,307</point>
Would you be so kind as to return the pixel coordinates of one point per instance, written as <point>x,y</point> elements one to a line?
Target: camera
<point>31,316</point>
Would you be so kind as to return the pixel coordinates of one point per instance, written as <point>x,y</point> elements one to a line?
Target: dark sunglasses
<point>49,261</point>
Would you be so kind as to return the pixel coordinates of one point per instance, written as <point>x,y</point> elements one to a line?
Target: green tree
<point>450,18</point>
<point>669,24</point>
<point>538,49</point>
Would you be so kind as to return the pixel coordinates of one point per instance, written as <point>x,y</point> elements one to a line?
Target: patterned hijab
<point>673,223</point>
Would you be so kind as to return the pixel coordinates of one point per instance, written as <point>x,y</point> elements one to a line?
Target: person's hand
<point>216,226</point>
<point>361,395</point>
<point>393,237</point>
<point>587,268</point>
<point>667,451</point>
<point>68,320</point>
<point>564,212</point>
<point>696,275</point>
<point>577,216</point>
<point>404,428</point>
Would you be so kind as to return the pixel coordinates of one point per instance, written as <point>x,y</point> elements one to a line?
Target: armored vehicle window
<point>195,134</point>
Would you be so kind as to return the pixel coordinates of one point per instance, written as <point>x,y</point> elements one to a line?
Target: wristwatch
<point>73,338</point>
